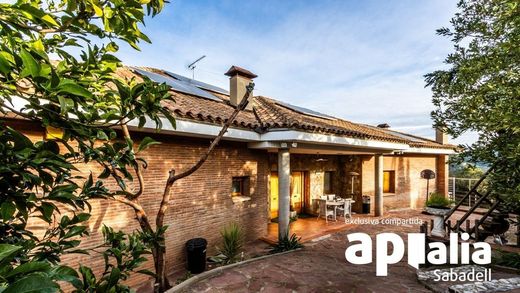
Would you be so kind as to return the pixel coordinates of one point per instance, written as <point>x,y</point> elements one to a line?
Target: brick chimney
<point>239,78</point>
<point>440,136</point>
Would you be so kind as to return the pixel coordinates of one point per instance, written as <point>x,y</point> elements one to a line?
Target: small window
<point>327,182</point>
<point>389,182</point>
<point>240,186</point>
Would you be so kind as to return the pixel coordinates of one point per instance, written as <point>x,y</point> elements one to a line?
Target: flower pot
<point>438,228</point>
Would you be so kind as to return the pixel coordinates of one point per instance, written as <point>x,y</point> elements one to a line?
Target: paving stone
<point>501,285</point>
<point>321,267</point>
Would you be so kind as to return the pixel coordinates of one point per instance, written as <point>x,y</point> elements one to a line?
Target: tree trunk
<point>161,278</point>
<point>159,249</point>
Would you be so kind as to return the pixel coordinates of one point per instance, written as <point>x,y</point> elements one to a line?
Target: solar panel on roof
<point>402,135</point>
<point>305,111</point>
<point>198,84</point>
<point>177,85</point>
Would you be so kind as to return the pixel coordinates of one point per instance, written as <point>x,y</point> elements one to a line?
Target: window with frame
<point>327,182</point>
<point>389,181</point>
<point>240,186</point>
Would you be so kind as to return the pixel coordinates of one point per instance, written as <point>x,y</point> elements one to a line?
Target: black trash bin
<point>196,255</point>
<point>366,204</point>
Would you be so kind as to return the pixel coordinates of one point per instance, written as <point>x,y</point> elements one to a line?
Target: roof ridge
<point>270,113</point>
<point>335,128</point>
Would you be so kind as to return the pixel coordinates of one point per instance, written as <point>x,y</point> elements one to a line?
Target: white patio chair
<point>345,210</point>
<point>324,211</point>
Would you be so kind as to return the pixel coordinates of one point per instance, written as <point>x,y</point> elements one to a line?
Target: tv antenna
<point>192,66</point>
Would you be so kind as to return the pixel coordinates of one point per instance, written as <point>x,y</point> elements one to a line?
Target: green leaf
<point>5,67</point>
<point>47,210</point>
<point>49,20</point>
<point>6,250</point>
<point>7,210</point>
<point>146,272</point>
<point>81,217</point>
<point>65,104</point>
<point>20,141</point>
<point>113,279</point>
<point>70,87</point>
<point>106,172</point>
<point>29,267</point>
<point>97,10</point>
<point>170,117</point>
<point>31,67</point>
<point>67,274</point>
<point>34,283</point>
<point>112,47</point>
<point>146,142</point>
<point>101,135</point>
<point>75,231</point>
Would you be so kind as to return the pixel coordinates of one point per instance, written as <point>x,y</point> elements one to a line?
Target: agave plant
<point>232,243</point>
<point>287,243</point>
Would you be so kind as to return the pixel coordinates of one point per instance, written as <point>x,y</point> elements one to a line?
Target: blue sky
<point>359,60</point>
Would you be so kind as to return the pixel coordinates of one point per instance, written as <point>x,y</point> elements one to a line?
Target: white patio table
<point>338,203</point>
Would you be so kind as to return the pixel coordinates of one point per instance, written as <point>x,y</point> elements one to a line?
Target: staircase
<point>482,202</point>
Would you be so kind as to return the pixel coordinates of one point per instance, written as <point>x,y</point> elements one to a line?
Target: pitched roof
<point>268,114</point>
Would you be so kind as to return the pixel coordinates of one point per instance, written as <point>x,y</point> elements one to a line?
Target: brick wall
<point>201,204</point>
<point>410,188</point>
<point>315,170</point>
<point>442,174</point>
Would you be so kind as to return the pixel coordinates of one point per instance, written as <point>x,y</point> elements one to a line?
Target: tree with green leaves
<point>83,96</point>
<point>43,80</point>
<point>479,91</point>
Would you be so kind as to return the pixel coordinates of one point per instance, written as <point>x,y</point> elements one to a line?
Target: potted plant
<point>438,201</point>
<point>438,205</point>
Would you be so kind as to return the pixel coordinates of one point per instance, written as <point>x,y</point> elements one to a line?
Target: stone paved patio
<point>320,267</point>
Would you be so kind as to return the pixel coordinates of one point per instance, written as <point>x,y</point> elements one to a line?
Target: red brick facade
<point>201,204</point>
<point>410,188</point>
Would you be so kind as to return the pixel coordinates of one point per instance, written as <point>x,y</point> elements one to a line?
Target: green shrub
<point>438,200</point>
<point>232,242</point>
<point>287,243</point>
<point>508,259</point>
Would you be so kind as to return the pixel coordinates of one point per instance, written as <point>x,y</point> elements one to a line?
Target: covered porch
<point>300,173</point>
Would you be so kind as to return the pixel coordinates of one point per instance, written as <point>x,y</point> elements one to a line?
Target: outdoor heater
<point>352,176</point>
<point>428,175</point>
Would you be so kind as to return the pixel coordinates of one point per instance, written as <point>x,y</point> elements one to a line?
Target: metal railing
<point>459,187</point>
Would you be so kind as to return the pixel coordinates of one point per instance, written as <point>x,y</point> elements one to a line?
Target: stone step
<point>501,285</point>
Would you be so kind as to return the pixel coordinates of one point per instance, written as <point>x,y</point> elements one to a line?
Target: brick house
<point>274,152</point>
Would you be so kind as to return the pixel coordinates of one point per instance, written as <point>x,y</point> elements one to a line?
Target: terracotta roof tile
<point>269,114</point>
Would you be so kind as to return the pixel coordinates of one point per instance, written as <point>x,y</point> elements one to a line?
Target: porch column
<point>378,179</point>
<point>284,197</point>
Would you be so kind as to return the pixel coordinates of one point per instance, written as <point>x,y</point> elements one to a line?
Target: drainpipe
<point>378,176</point>
<point>284,197</point>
